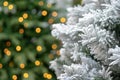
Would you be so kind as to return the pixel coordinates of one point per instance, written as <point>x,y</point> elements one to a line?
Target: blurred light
<point>51,56</point>
<point>41,3</point>
<point>38,30</point>
<point>22,66</point>
<point>5,3</point>
<point>54,46</point>
<point>50,21</point>
<point>11,64</point>
<point>18,48</point>
<point>7,52</point>
<point>21,31</point>
<point>58,52</point>
<point>25,75</point>
<point>63,20</point>
<point>49,76</point>
<point>25,15</point>
<point>10,7</point>
<point>20,19</point>
<point>39,48</point>
<point>8,43</point>
<point>14,77</point>
<point>54,14</point>
<point>44,12</point>
<point>45,75</point>
<point>1,65</point>
<point>25,25</point>
<point>49,5</point>
<point>37,63</point>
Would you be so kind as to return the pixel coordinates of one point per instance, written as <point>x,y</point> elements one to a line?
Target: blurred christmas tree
<point>26,46</point>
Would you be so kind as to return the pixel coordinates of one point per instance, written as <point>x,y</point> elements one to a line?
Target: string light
<point>21,31</point>
<point>1,66</point>
<point>25,25</point>
<point>38,30</point>
<point>22,65</point>
<point>7,52</point>
<point>37,63</point>
<point>20,19</point>
<point>54,46</point>
<point>25,15</point>
<point>14,77</point>
<point>54,14</point>
<point>49,76</point>
<point>39,48</point>
<point>10,7</point>
<point>44,13</point>
<point>18,48</point>
<point>8,43</point>
<point>50,21</point>
<point>63,20</point>
<point>25,75</point>
<point>45,75</point>
<point>41,3</point>
<point>5,3</point>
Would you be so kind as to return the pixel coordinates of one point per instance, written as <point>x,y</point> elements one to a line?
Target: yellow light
<point>18,48</point>
<point>54,46</point>
<point>20,19</point>
<point>37,63</point>
<point>25,75</point>
<point>41,3</point>
<point>7,52</point>
<point>10,7</point>
<point>49,76</point>
<point>54,14</point>
<point>1,65</point>
<point>51,56</point>
<point>50,21</point>
<point>25,25</point>
<point>25,15</point>
<point>49,5</point>
<point>14,77</point>
<point>44,12</point>
<point>39,48</point>
<point>22,66</point>
<point>45,75</point>
<point>5,3</point>
<point>58,52</point>
<point>38,30</point>
<point>21,31</point>
<point>63,20</point>
<point>8,43</point>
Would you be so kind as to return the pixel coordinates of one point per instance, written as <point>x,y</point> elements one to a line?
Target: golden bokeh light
<point>44,13</point>
<point>10,7</point>
<point>38,30</point>
<point>37,63</point>
<point>25,15</point>
<point>18,48</point>
<point>21,31</point>
<point>5,3</point>
<point>51,56</point>
<point>25,25</point>
<point>20,19</point>
<point>8,43</point>
<point>45,75</point>
<point>50,21</point>
<point>49,76</point>
<point>39,48</point>
<point>22,65</point>
<point>25,75</point>
<point>41,3</point>
<point>1,65</point>
<point>63,20</point>
<point>54,14</point>
<point>7,52</point>
<point>54,46</point>
<point>49,5</point>
<point>14,77</point>
<point>58,52</point>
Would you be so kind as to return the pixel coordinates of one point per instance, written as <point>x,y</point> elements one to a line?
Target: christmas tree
<point>26,45</point>
<point>91,42</point>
